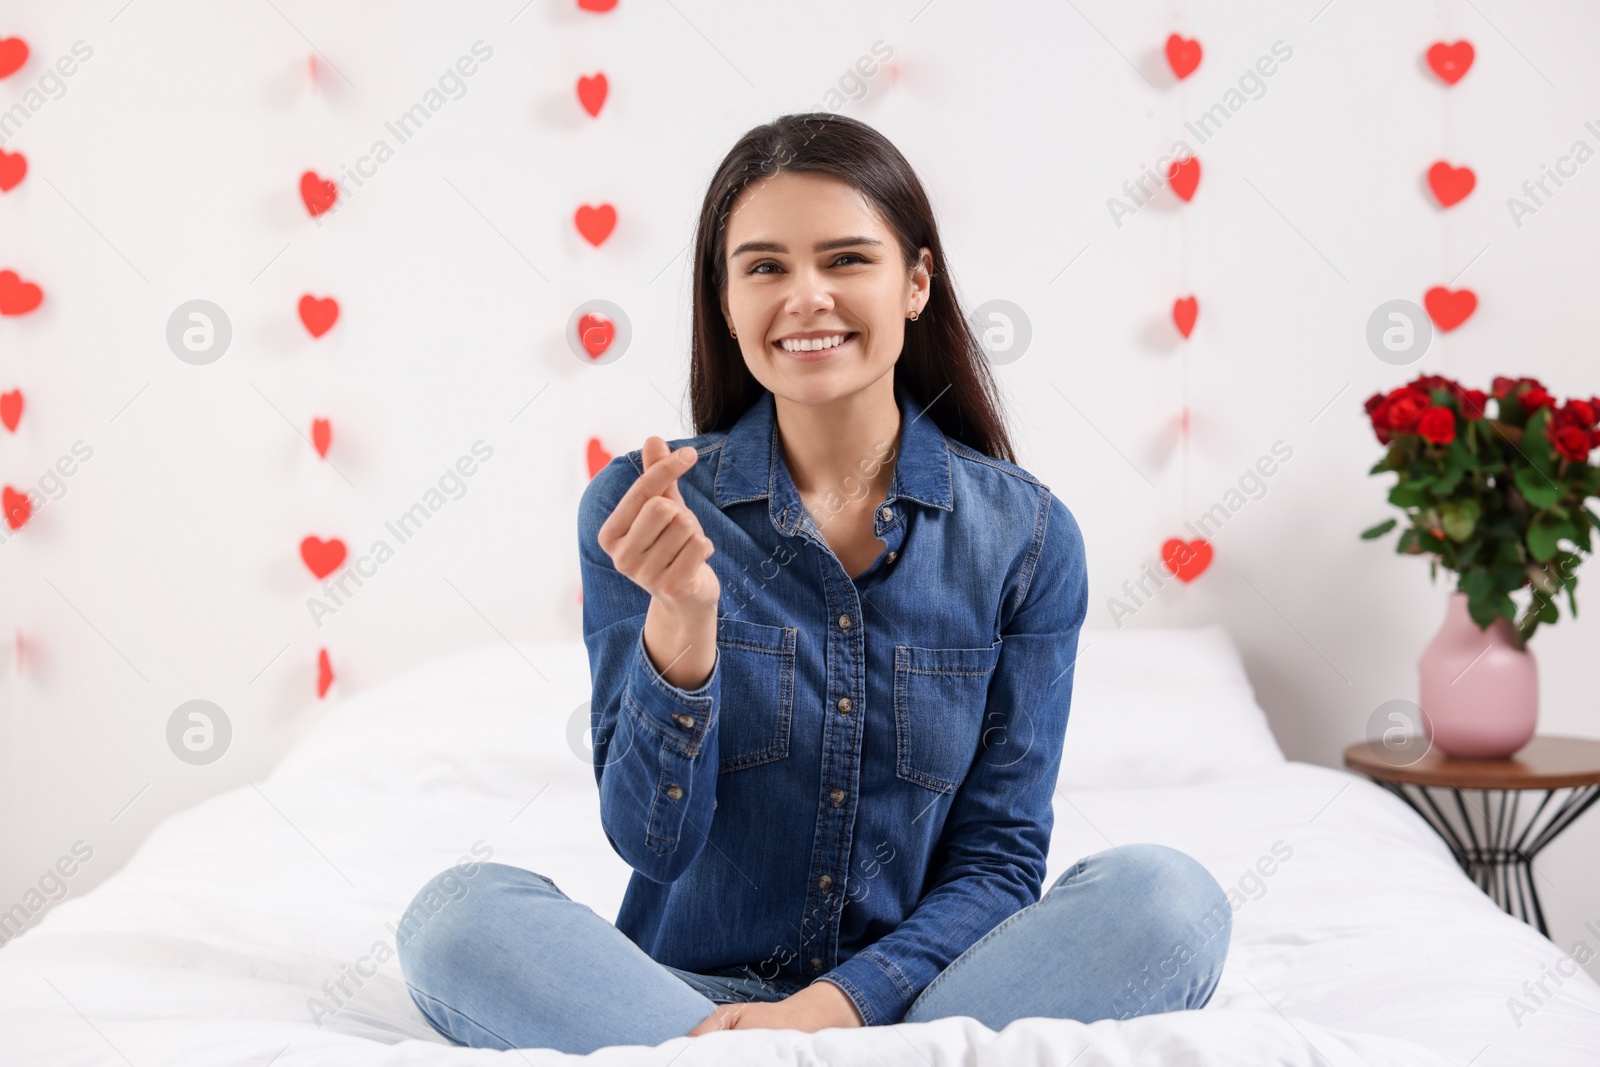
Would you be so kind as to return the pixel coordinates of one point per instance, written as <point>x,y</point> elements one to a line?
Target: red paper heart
<point>16,507</point>
<point>1450,184</point>
<point>1449,309</point>
<point>323,557</point>
<point>13,53</point>
<point>1184,311</point>
<point>17,297</point>
<point>11,409</point>
<point>596,332</point>
<point>1184,175</point>
<point>319,315</point>
<point>1186,561</point>
<point>13,168</point>
<point>596,223</point>
<point>1450,61</point>
<point>598,457</point>
<point>324,673</point>
<point>599,6</point>
<point>592,93</point>
<point>319,195</point>
<point>321,435</point>
<point>1182,56</point>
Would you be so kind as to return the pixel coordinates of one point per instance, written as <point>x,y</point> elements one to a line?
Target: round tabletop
<point>1543,763</point>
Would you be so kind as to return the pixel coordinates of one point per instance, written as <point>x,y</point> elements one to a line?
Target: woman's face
<point>809,258</point>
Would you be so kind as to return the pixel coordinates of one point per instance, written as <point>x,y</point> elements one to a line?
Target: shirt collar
<point>752,464</point>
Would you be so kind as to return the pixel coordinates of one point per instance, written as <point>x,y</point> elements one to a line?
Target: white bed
<point>1364,945</point>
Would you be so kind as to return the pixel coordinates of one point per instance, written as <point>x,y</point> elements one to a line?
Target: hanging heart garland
<point>1184,311</point>
<point>1183,56</point>
<point>324,673</point>
<point>1184,177</point>
<point>1450,61</point>
<point>317,193</point>
<point>321,436</point>
<point>1186,560</point>
<point>1449,308</point>
<point>1450,184</point>
<point>595,223</point>
<point>318,314</point>
<point>597,456</point>
<point>592,90</point>
<point>322,557</point>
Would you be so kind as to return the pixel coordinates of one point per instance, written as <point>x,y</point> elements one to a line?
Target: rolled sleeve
<point>990,858</point>
<point>684,714</point>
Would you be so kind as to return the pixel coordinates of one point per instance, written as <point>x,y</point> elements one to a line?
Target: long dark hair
<point>942,365</point>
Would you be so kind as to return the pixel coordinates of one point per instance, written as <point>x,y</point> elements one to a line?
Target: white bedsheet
<point>1366,946</point>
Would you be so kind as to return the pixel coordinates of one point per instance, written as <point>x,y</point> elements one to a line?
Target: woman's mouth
<point>808,352</point>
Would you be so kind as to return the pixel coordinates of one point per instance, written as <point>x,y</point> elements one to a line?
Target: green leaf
<point>1379,530</point>
<point>1536,489</point>
<point>1581,536</point>
<point>1507,607</point>
<point>1594,520</point>
<point>1543,535</point>
<point>1477,583</point>
<point>1536,443</point>
<point>1460,518</point>
<point>1548,611</point>
<point>1408,495</point>
<point>1483,610</point>
<point>1508,576</point>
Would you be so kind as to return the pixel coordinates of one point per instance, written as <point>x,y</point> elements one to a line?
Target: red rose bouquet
<point>1492,496</point>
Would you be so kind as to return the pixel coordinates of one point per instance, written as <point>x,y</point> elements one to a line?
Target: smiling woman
<point>869,734</point>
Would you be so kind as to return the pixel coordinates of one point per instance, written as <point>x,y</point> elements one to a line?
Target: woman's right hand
<point>656,541</point>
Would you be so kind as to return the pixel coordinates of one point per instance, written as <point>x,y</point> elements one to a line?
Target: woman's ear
<point>922,277</point>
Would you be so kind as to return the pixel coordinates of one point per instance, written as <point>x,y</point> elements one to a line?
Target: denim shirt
<point>862,788</point>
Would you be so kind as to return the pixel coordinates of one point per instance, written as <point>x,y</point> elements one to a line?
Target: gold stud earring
<point>913,315</point>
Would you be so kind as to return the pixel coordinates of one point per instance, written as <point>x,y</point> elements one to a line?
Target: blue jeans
<point>510,961</point>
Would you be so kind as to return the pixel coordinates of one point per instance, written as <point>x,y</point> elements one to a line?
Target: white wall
<point>168,171</point>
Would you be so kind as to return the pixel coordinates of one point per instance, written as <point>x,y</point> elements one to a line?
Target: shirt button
<point>892,555</point>
<point>886,514</point>
<point>824,882</point>
<point>816,964</point>
<point>844,622</point>
<point>674,792</point>
<point>683,720</point>
<point>837,796</point>
<point>844,705</point>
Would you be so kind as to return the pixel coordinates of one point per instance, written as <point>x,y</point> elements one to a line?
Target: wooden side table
<point>1489,846</point>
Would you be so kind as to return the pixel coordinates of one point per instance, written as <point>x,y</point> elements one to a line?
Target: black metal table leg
<point>1484,848</point>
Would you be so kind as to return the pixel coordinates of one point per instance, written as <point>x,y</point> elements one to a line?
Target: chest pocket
<point>939,699</point>
<point>757,703</point>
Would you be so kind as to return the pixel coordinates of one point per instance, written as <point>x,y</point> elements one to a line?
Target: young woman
<point>831,638</point>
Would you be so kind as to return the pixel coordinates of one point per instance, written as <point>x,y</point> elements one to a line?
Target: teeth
<point>813,345</point>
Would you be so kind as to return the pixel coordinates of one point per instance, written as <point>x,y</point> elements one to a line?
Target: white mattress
<point>1367,946</point>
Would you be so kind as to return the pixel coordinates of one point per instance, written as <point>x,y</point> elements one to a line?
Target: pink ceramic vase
<point>1480,693</point>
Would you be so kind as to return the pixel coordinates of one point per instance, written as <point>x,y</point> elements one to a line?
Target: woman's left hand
<point>817,1007</point>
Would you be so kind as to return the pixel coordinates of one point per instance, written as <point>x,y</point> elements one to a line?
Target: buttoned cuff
<point>880,992</point>
<point>682,716</point>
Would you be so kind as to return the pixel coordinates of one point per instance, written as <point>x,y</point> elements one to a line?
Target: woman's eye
<point>846,256</point>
